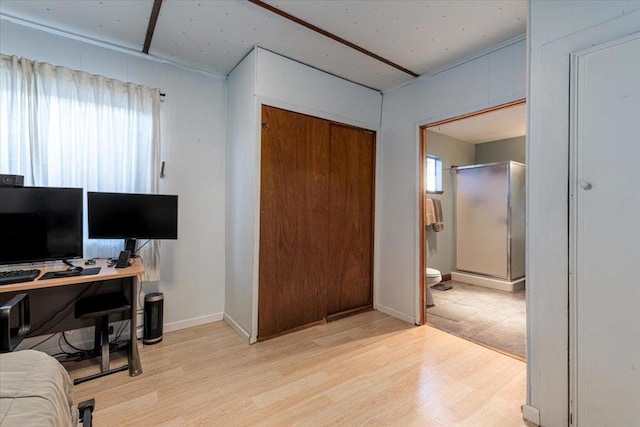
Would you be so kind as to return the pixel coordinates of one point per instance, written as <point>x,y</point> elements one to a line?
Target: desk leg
<point>135,367</point>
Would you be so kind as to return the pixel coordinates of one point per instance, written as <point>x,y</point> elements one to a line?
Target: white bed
<point>35,390</point>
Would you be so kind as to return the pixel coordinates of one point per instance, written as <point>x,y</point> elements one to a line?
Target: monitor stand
<point>130,245</point>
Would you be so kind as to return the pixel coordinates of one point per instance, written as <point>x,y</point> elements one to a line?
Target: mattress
<point>35,390</point>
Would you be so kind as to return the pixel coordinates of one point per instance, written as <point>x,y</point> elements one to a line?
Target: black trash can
<point>153,308</point>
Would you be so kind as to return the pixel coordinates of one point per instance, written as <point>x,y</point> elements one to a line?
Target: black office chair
<point>99,307</point>
<point>11,337</point>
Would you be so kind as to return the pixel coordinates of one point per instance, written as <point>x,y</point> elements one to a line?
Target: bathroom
<point>473,218</point>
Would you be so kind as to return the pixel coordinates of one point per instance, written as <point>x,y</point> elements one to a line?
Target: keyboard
<point>17,276</point>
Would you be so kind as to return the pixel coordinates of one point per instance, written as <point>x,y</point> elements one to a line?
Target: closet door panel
<point>293,221</point>
<point>605,249</point>
<point>351,184</point>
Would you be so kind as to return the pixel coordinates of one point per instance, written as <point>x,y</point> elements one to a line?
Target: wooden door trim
<point>422,295</point>
<point>475,113</point>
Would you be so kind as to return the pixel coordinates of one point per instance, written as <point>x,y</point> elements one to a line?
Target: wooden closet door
<point>293,221</point>
<point>351,190</point>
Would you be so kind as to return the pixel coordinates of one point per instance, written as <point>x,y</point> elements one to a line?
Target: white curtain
<point>66,128</point>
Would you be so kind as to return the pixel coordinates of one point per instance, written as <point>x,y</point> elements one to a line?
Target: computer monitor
<point>132,216</point>
<point>40,224</point>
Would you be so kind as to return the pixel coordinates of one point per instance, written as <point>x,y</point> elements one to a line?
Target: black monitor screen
<point>132,216</point>
<point>40,224</point>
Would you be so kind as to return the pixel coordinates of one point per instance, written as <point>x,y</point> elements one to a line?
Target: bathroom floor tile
<point>488,316</point>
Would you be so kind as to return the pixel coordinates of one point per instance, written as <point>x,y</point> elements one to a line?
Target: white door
<point>605,240</point>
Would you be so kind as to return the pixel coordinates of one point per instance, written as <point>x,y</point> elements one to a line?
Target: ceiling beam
<point>153,20</point>
<point>331,36</point>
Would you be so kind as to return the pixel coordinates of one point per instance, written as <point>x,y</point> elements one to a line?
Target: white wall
<point>242,178</point>
<point>441,244</point>
<point>491,79</point>
<point>288,84</point>
<point>556,29</point>
<point>283,83</point>
<point>193,118</point>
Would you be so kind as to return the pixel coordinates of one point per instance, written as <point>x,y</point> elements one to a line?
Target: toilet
<point>433,278</point>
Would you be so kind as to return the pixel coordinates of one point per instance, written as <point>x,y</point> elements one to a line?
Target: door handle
<point>586,185</point>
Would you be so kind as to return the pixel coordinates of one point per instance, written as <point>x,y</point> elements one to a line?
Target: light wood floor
<point>368,369</point>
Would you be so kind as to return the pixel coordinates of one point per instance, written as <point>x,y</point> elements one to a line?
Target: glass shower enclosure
<point>490,220</point>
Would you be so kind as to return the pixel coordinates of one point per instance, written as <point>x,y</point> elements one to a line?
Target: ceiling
<point>213,36</point>
<point>492,126</point>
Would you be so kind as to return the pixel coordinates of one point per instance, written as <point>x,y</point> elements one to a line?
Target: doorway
<point>472,191</point>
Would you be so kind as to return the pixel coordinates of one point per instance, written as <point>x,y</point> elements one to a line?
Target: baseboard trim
<point>394,313</point>
<point>237,328</point>
<point>189,323</point>
<point>531,414</point>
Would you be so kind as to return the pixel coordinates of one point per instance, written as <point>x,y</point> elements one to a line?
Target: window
<point>434,174</point>
<point>66,128</point>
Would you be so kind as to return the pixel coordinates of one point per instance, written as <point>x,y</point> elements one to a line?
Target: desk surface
<point>106,273</point>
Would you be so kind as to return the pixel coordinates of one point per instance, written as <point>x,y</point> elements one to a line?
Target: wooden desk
<point>52,301</point>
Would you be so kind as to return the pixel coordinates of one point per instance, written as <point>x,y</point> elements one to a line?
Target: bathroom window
<point>434,174</point>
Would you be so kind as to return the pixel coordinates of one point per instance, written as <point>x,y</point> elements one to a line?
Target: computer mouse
<point>72,269</point>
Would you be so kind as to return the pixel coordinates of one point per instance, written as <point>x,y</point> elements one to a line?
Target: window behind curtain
<point>65,128</point>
